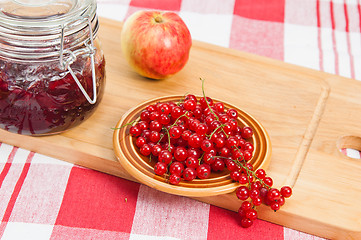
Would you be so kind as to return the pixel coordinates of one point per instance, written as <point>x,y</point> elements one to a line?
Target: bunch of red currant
<point>191,138</point>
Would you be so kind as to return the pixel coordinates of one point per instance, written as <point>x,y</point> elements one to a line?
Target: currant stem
<point>174,124</point>
<point>127,124</point>
<point>205,98</point>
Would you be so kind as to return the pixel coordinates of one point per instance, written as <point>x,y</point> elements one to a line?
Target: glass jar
<point>52,69</point>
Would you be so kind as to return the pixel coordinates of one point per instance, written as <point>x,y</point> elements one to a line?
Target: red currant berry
<point>189,174</point>
<point>256,185</point>
<point>190,97</point>
<point>218,165</point>
<point>145,150</point>
<point>176,112</point>
<point>168,147</point>
<point>257,201</point>
<point>281,201</point>
<point>246,205</point>
<point>176,168</point>
<point>210,119</point>
<point>192,162</point>
<point>209,158</point>
<point>232,113</point>
<point>275,206</point>
<point>260,173</point>
<point>145,134</point>
<point>248,147</point>
<point>154,136</point>
<point>232,142</point>
<point>193,152</point>
<point>238,155</point>
<point>185,134</point>
<point>233,123</point>
<point>219,107</point>
<point>207,145</point>
<point>190,105</point>
<point>145,115</point>
<point>286,191</point>
<point>227,128</point>
<point>235,175</point>
<point>268,181</point>
<point>201,129</point>
<point>205,104</point>
<point>225,152</point>
<point>195,140</point>
<point>135,131</point>
<point>243,179</point>
<point>224,118</point>
<point>165,109</point>
<point>247,155</point>
<point>175,132</point>
<point>180,154</point>
<point>246,223</point>
<point>154,116</point>
<point>242,193</point>
<point>174,179</point>
<point>251,214</point>
<point>273,194</point>
<point>231,165</point>
<point>150,108</point>
<point>164,119</point>
<point>254,193</point>
<point>140,141</point>
<point>203,171</point>
<point>246,132</point>
<point>197,112</point>
<point>160,168</point>
<point>143,125</point>
<point>155,126</point>
<point>165,156</point>
<point>215,125</point>
<point>241,212</point>
<point>219,142</point>
<point>156,149</point>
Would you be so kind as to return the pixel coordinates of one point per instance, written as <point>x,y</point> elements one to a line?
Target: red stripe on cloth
<point>170,5</point>
<point>7,166</point>
<point>359,12</point>
<point>258,37</point>
<point>162,214</point>
<point>15,193</point>
<point>333,26</point>
<point>224,224</point>
<point>266,10</point>
<point>347,29</point>
<point>61,233</point>
<point>319,39</point>
<point>99,201</point>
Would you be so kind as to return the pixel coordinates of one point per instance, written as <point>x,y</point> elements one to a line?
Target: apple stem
<point>158,19</point>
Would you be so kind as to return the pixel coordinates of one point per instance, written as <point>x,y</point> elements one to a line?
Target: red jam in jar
<point>52,73</point>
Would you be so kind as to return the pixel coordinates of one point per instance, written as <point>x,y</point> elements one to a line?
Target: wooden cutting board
<point>308,114</point>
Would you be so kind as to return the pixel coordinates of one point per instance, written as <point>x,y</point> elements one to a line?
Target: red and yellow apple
<point>155,44</point>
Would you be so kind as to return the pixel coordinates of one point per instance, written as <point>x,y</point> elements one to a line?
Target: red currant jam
<point>41,99</point>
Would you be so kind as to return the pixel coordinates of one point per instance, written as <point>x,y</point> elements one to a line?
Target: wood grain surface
<point>309,115</point>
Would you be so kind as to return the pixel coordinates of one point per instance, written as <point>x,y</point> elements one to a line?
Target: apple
<point>155,44</point>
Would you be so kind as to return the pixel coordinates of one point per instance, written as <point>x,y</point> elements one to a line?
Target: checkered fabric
<point>45,198</point>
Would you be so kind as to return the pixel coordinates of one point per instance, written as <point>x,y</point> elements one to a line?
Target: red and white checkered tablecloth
<point>45,198</point>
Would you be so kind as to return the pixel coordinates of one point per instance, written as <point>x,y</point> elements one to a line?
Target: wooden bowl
<point>141,167</point>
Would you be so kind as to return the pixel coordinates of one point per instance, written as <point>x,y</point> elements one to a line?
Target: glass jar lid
<point>40,30</point>
<point>36,9</point>
<point>37,13</point>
